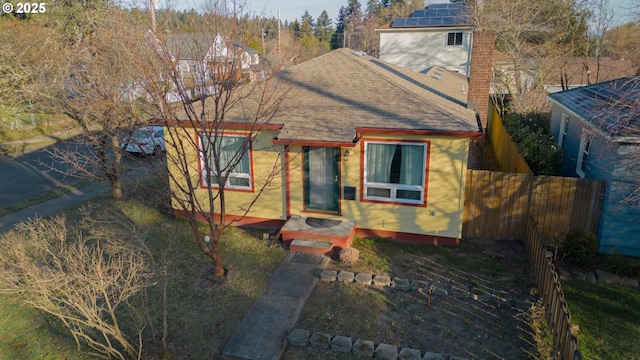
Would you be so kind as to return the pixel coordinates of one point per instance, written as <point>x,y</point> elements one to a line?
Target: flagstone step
<point>311,246</point>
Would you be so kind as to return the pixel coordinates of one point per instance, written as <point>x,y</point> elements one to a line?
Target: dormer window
<point>454,39</point>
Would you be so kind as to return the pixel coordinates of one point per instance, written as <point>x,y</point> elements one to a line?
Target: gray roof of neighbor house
<point>612,107</point>
<point>190,46</point>
<point>332,97</point>
<point>437,15</point>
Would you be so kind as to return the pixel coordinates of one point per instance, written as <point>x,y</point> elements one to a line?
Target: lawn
<point>608,317</point>
<point>201,320</point>
<point>16,123</point>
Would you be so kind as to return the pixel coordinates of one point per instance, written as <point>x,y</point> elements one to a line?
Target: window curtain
<point>412,167</point>
<point>230,147</point>
<point>379,158</point>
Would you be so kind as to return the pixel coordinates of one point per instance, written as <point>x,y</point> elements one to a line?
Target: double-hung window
<point>395,172</point>
<point>583,154</point>
<point>562,134</point>
<point>454,39</point>
<point>234,154</point>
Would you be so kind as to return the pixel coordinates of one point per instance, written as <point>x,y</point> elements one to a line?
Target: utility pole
<point>152,10</point>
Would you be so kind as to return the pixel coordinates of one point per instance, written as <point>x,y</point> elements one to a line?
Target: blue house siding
<point>619,231</point>
<point>600,163</point>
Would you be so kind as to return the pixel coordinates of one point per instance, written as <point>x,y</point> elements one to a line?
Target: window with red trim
<point>394,171</point>
<point>234,166</point>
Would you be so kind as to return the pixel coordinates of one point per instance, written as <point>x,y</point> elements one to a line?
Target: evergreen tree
<point>294,27</point>
<point>323,30</point>
<point>306,25</point>
<point>307,17</point>
<point>337,37</point>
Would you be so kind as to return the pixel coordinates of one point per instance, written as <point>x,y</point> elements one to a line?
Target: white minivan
<point>148,140</point>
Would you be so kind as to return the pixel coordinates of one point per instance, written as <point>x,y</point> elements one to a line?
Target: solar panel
<point>412,22</point>
<point>450,14</point>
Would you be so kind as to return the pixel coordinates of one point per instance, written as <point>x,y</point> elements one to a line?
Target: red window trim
<point>427,143</point>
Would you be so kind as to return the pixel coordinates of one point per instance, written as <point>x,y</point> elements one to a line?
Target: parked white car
<point>147,140</point>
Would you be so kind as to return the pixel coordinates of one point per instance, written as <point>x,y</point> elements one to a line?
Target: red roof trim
<point>361,131</point>
<point>313,143</point>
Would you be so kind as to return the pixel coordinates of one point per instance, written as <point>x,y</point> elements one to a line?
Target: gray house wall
<point>619,231</point>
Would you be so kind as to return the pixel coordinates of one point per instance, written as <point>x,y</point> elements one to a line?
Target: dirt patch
<point>445,324</point>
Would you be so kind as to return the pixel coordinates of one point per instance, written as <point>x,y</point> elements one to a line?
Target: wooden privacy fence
<point>565,343</point>
<point>497,205</point>
<point>505,149</point>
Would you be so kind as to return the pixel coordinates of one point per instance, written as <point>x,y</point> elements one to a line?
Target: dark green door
<point>321,178</point>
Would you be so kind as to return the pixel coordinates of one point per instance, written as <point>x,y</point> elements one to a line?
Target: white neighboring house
<point>205,58</point>
<point>440,34</point>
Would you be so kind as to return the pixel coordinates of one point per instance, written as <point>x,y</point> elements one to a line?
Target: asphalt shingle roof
<point>331,97</point>
<point>613,106</point>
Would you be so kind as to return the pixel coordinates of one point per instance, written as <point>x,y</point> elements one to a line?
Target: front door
<point>321,178</point>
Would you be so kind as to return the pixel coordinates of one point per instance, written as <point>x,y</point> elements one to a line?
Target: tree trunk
<point>216,254</point>
<point>115,175</point>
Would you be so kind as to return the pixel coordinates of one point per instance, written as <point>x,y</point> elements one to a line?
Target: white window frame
<point>455,36</point>
<point>562,133</point>
<point>232,174</point>
<point>393,188</point>
<point>583,152</point>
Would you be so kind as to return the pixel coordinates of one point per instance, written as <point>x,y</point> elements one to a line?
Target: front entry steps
<point>311,246</point>
<point>316,235</point>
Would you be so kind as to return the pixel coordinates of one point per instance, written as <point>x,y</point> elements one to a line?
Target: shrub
<point>580,247</point>
<point>348,256</point>
<point>535,142</point>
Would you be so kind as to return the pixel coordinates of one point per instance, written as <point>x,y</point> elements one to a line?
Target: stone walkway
<point>263,332</point>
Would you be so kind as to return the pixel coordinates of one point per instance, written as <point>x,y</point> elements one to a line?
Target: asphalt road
<point>30,176</point>
<point>33,175</point>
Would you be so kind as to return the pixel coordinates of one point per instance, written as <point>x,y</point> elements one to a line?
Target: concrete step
<point>311,246</point>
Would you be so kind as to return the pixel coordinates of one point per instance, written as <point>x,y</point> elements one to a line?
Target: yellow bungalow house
<point>360,141</point>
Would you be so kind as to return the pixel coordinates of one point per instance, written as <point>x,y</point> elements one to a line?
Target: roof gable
<point>612,107</point>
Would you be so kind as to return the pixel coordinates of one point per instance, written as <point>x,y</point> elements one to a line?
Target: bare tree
<point>98,90</point>
<point>535,37</point>
<point>86,280</point>
<point>220,116</point>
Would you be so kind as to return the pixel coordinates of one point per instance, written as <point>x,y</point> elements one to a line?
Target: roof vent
<point>359,53</point>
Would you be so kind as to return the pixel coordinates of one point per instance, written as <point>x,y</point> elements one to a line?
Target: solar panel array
<point>450,14</point>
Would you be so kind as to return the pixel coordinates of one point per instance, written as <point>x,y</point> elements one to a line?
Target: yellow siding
<point>266,172</point>
<point>442,215</point>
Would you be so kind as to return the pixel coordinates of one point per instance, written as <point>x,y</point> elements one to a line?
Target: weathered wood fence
<point>505,149</point>
<point>565,343</point>
<point>497,205</point>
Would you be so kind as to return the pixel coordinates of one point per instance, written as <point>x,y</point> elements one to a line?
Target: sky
<point>294,9</point>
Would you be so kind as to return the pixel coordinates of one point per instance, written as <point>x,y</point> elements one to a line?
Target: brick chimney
<point>480,73</point>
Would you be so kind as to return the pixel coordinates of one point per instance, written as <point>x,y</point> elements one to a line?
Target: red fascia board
<point>360,131</point>
<point>314,143</point>
<point>224,125</point>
